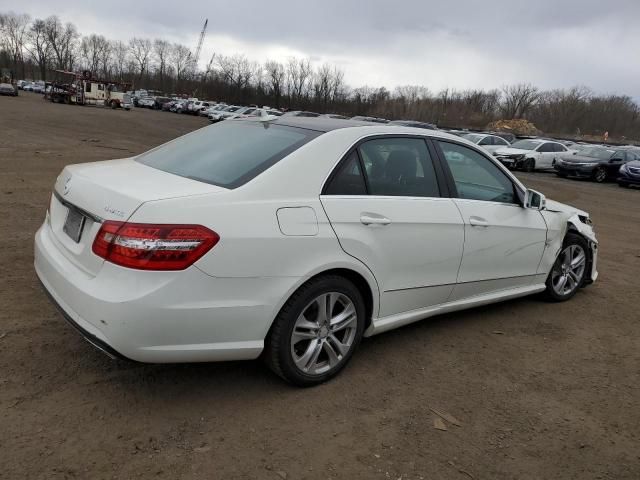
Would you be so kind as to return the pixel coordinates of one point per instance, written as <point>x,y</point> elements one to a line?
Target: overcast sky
<point>438,44</point>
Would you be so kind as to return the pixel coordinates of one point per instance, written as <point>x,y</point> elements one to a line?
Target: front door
<point>504,242</point>
<point>384,204</point>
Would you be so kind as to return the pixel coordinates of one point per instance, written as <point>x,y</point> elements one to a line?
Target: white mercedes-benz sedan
<point>292,238</point>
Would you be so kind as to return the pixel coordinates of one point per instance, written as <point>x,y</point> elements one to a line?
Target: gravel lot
<point>540,390</point>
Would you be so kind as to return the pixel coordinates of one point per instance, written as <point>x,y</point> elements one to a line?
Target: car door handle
<point>478,222</point>
<point>373,219</point>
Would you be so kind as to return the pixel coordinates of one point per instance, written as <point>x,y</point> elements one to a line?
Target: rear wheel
<point>569,270</point>
<point>599,175</point>
<point>317,331</point>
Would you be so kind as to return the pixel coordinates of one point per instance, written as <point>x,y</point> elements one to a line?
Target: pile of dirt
<point>515,126</point>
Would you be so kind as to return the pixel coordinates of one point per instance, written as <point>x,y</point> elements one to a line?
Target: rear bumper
<point>161,317</point>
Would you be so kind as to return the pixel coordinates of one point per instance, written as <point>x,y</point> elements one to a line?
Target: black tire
<point>529,165</point>
<point>277,352</point>
<point>551,293</point>
<point>599,175</point>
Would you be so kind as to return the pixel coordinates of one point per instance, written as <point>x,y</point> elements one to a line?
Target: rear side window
<point>228,154</point>
<point>348,179</point>
<point>399,167</point>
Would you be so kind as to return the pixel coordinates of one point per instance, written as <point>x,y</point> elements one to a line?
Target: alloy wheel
<point>600,175</point>
<point>568,270</point>
<point>324,333</point>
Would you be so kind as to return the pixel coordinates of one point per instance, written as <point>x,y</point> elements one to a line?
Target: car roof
<point>326,124</point>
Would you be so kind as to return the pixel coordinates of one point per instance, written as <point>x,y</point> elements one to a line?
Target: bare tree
<point>179,56</point>
<point>162,49</point>
<point>13,31</point>
<point>39,47</point>
<point>106,54</point>
<point>63,39</point>
<point>140,50</point>
<point>119,58</point>
<point>276,78</point>
<point>518,99</point>
<point>299,77</point>
<point>93,49</point>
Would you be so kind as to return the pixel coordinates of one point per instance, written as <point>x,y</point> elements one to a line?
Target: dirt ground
<point>541,390</point>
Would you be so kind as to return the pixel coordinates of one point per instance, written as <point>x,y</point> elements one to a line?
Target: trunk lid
<point>86,194</point>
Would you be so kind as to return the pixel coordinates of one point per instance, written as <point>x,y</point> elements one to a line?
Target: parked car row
<point>35,87</point>
<point>567,158</point>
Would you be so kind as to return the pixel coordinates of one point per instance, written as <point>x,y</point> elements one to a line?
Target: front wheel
<point>569,270</point>
<point>529,165</point>
<point>317,331</point>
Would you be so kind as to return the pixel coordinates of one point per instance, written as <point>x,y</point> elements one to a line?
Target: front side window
<point>399,167</point>
<point>227,154</point>
<point>546,148</point>
<point>476,177</point>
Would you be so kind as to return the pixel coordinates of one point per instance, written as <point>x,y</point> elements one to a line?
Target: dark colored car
<point>167,105</point>
<point>159,102</point>
<point>629,174</point>
<point>597,163</point>
<point>414,124</point>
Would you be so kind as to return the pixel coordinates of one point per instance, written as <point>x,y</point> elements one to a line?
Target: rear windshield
<point>227,154</point>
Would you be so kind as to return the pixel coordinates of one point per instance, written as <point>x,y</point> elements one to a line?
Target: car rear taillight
<point>146,246</point>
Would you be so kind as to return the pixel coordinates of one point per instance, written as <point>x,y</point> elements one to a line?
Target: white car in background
<point>146,102</point>
<point>224,113</point>
<point>532,154</point>
<point>489,142</point>
<point>292,238</point>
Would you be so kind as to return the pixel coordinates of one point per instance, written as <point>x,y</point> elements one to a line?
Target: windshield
<point>228,154</point>
<point>473,137</point>
<point>595,152</point>
<point>526,144</point>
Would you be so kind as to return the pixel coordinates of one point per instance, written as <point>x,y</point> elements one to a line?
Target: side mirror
<point>534,200</point>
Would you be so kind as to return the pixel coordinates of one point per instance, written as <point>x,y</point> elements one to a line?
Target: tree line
<point>35,48</point>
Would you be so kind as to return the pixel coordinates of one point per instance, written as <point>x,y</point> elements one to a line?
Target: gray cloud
<point>459,44</point>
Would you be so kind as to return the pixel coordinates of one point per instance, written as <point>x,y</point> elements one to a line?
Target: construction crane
<point>209,67</point>
<point>196,56</point>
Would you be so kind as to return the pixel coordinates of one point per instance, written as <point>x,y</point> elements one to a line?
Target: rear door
<point>387,205</point>
<point>504,242</point>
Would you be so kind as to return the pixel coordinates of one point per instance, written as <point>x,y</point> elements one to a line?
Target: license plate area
<point>74,224</point>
